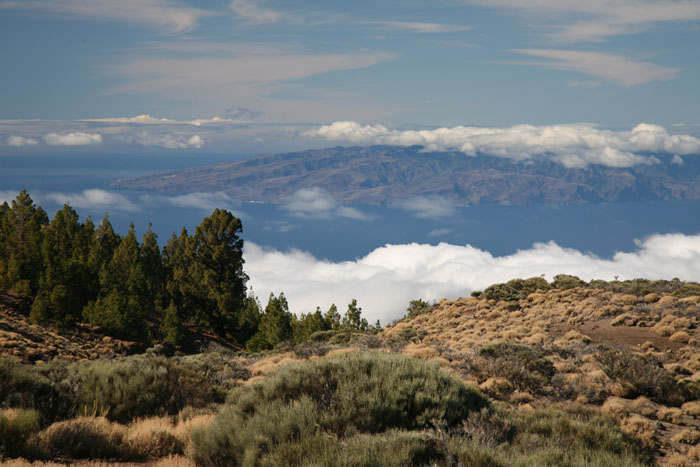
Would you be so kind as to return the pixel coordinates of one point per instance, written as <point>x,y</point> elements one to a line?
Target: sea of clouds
<point>385,280</point>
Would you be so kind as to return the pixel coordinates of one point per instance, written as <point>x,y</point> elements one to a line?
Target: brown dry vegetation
<point>636,358</point>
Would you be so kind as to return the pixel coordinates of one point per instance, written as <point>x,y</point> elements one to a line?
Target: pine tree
<point>216,252</point>
<point>124,302</point>
<point>62,293</point>
<point>23,224</point>
<point>353,318</point>
<point>153,268</point>
<point>275,325</point>
<point>172,331</point>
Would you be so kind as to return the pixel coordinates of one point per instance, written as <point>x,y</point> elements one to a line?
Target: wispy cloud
<point>420,28</point>
<point>597,20</point>
<point>570,145</point>
<point>614,68</point>
<point>169,15</point>
<point>251,12</point>
<point>18,141</point>
<point>92,198</point>
<point>73,139</point>
<point>318,203</point>
<point>427,207</point>
<point>389,277</point>
<point>239,76</point>
<point>439,232</point>
<point>207,201</point>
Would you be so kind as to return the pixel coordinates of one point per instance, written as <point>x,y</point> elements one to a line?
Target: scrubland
<point>524,373</point>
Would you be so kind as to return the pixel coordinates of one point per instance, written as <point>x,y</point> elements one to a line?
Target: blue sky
<point>266,71</point>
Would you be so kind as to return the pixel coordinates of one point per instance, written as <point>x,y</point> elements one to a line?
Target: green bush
<point>24,386</point>
<point>392,448</point>
<point>369,392</point>
<point>528,286</point>
<point>502,292</point>
<point>523,366</point>
<point>144,385</point>
<point>641,375</point>
<point>573,436</point>
<point>16,426</point>
<point>565,282</point>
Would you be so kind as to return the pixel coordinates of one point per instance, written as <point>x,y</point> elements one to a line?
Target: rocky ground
<point>32,343</point>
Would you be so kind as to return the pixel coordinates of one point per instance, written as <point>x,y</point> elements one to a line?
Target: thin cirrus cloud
<point>73,139</point>
<point>169,15</point>
<point>597,20</point>
<point>251,12</point>
<point>241,75</point>
<point>613,68</point>
<point>420,27</point>
<point>427,207</point>
<point>384,281</point>
<point>318,203</point>
<point>570,145</point>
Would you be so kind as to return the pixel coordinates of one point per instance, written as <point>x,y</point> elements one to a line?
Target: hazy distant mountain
<point>382,174</point>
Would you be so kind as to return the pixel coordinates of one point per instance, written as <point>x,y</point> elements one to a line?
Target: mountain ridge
<point>376,175</point>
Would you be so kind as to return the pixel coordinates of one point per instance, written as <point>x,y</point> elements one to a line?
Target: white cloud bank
<point>570,145</point>
<point>384,281</point>
<point>73,139</point>
<point>318,203</point>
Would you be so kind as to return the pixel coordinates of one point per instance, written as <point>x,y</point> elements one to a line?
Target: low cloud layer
<point>166,140</point>
<point>73,139</point>
<point>427,207</point>
<point>96,198</point>
<point>18,141</point>
<point>92,198</point>
<point>384,281</point>
<point>318,203</point>
<point>570,145</point>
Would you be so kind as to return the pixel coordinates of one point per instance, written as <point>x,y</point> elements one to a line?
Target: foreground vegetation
<point>355,409</point>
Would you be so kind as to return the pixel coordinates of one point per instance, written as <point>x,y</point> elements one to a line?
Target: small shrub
<point>16,426</point>
<point>502,292</point>
<point>85,438</point>
<point>417,308</point>
<point>641,375</point>
<point>358,392</point>
<point>565,282</point>
<point>145,385</point>
<point>23,386</point>
<point>524,367</point>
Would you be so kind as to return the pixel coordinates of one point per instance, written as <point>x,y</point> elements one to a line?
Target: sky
<point>248,76</point>
<point>605,82</point>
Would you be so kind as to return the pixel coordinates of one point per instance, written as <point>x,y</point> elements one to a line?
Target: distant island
<point>379,175</point>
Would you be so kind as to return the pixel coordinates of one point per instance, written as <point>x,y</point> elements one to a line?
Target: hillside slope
<point>382,174</point>
<point>635,357</point>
